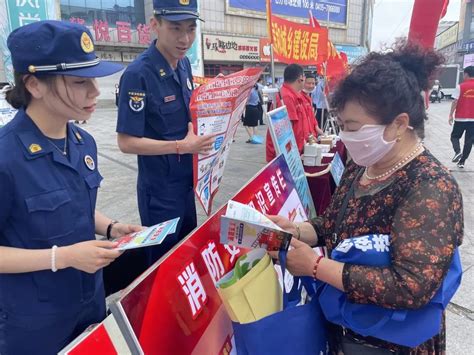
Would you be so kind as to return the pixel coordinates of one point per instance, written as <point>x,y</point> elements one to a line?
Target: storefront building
<point>235,32</point>
<point>233,36</point>
<point>447,41</point>
<point>465,48</point>
<point>119,27</point>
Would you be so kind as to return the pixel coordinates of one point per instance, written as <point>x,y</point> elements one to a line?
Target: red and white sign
<point>231,48</point>
<point>216,108</point>
<point>174,308</point>
<point>121,32</point>
<point>265,51</point>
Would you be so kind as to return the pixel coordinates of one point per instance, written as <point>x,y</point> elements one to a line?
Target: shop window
<point>78,3</point>
<point>124,3</point>
<point>106,10</point>
<point>93,4</point>
<point>108,4</point>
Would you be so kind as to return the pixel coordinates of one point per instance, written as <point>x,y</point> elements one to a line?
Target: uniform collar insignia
<point>76,135</point>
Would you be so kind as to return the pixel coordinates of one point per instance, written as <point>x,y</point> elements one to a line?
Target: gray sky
<point>392,19</point>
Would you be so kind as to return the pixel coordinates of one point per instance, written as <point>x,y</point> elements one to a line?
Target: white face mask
<point>367,146</point>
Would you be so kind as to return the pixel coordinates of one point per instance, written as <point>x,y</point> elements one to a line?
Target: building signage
<point>265,51</point>
<point>447,37</point>
<point>468,60</point>
<point>468,46</point>
<point>20,13</point>
<point>337,9</point>
<point>120,32</point>
<point>128,57</point>
<point>113,56</point>
<point>230,48</point>
<point>23,12</point>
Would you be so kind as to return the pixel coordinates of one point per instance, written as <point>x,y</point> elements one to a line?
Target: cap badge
<point>86,43</point>
<point>184,2</point>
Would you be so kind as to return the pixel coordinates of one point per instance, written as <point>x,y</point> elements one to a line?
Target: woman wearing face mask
<point>394,224</point>
<point>51,285</point>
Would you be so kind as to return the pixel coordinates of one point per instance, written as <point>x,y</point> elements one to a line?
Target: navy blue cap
<point>56,47</point>
<point>176,10</point>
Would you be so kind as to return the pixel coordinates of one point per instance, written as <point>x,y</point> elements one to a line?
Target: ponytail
<point>18,96</point>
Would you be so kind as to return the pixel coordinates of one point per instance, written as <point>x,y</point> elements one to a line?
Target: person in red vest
<point>290,93</point>
<point>462,115</point>
<point>309,85</point>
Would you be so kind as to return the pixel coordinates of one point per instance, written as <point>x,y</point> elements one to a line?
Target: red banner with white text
<point>298,43</point>
<point>174,307</point>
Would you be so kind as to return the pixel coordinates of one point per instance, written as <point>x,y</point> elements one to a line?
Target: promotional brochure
<point>216,109</point>
<point>150,236</point>
<point>244,226</point>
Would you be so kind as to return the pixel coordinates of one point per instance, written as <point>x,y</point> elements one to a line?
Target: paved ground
<point>117,197</point>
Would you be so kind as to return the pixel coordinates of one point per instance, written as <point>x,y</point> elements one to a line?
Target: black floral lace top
<point>420,207</point>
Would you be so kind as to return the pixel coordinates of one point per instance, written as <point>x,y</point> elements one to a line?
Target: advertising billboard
<point>337,9</point>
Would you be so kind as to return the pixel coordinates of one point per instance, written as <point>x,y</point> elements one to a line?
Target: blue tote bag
<point>295,330</point>
<point>404,327</point>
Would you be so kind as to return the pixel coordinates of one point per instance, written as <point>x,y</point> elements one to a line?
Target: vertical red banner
<point>425,19</point>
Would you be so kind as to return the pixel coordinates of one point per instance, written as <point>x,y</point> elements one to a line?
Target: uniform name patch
<point>136,101</point>
<point>170,98</point>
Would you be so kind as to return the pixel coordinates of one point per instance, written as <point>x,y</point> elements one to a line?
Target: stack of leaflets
<point>153,235</point>
<point>244,226</point>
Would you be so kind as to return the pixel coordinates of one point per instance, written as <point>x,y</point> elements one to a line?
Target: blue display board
<point>284,142</point>
<point>298,8</point>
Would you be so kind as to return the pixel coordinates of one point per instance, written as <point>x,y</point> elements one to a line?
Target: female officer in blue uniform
<point>154,123</point>
<point>51,285</point>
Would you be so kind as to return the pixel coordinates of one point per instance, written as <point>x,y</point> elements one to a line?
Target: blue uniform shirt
<point>154,103</point>
<point>253,98</point>
<point>46,199</point>
<point>318,95</point>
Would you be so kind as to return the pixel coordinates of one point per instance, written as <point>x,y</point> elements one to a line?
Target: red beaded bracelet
<point>316,264</point>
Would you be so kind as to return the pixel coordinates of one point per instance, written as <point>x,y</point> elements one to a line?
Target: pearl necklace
<point>397,166</point>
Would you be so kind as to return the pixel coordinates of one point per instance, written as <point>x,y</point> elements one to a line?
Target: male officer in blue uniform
<point>154,123</point>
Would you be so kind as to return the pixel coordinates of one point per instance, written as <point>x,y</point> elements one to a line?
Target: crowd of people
<point>51,281</point>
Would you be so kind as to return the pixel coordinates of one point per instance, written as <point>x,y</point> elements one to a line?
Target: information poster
<point>337,168</point>
<point>284,142</point>
<point>216,108</point>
